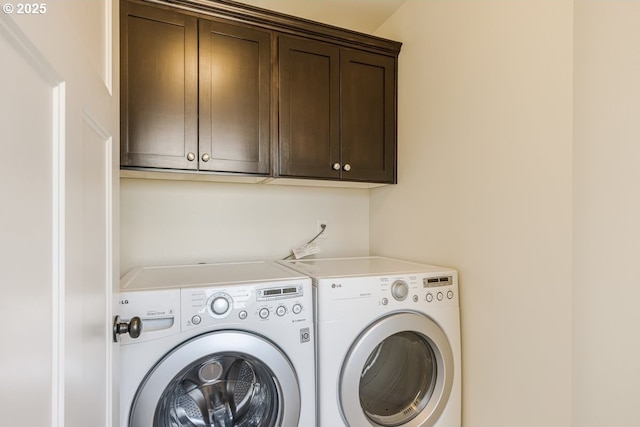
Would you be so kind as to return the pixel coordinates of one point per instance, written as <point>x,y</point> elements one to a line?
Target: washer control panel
<point>285,302</point>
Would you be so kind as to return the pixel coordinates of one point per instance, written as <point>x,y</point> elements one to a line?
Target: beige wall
<point>177,222</point>
<point>485,169</point>
<point>606,290</point>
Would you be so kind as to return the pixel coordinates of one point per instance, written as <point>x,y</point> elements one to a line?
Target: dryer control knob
<point>399,290</point>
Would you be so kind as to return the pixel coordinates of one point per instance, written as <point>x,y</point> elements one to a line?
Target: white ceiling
<point>359,15</point>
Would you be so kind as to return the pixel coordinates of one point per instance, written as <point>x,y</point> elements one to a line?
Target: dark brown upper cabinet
<point>159,88</point>
<point>368,107</point>
<point>235,74</point>
<point>337,112</point>
<point>309,108</point>
<point>195,93</point>
<point>218,86</point>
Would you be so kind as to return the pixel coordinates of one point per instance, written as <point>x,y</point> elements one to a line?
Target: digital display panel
<point>278,293</point>
<point>430,282</point>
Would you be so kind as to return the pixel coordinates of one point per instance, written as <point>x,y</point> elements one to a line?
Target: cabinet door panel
<point>309,108</point>
<point>368,116</point>
<point>234,98</point>
<point>159,83</point>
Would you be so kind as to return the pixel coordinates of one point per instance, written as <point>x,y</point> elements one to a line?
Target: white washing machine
<point>388,342</point>
<point>220,345</point>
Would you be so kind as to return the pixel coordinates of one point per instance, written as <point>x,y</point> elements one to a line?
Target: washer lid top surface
<point>175,276</point>
<point>359,266</point>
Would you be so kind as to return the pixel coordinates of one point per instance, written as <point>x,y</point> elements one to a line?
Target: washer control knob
<point>385,301</point>
<point>281,310</point>
<point>399,290</point>
<point>440,296</point>
<point>429,297</point>
<point>263,313</point>
<point>220,305</point>
<point>297,309</point>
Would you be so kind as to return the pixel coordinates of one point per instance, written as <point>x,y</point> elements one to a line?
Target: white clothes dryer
<point>388,342</point>
<point>228,344</point>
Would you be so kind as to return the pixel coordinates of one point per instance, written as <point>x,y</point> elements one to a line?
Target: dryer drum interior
<point>222,391</point>
<point>398,379</point>
<point>398,372</point>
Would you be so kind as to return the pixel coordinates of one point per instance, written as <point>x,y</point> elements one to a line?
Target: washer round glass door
<point>399,372</point>
<point>221,379</point>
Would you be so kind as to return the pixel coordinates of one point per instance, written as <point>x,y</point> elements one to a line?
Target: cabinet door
<point>368,104</point>
<point>159,83</point>
<point>309,120</point>
<point>235,81</point>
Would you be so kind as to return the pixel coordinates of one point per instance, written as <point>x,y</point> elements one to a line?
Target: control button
<point>263,313</point>
<point>196,320</point>
<point>243,315</point>
<point>450,294</point>
<point>220,305</point>
<point>440,296</point>
<point>415,298</point>
<point>429,297</point>
<point>297,309</point>
<point>399,290</point>
<point>281,310</point>
<point>385,301</point>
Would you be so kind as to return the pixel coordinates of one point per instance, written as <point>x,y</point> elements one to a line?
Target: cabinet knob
<point>336,166</point>
<point>346,167</point>
<point>191,157</point>
<point>205,157</point>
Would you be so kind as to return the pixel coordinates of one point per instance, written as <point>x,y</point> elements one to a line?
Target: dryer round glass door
<point>227,379</point>
<point>399,372</point>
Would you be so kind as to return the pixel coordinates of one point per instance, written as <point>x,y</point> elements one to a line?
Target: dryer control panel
<point>418,288</point>
<point>350,297</point>
<point>273,302</point>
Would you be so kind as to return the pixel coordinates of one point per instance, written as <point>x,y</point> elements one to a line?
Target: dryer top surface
<point>360,267</point>
<point>217,274</point>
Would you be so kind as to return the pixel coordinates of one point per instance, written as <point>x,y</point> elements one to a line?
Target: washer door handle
<point>133,328</point>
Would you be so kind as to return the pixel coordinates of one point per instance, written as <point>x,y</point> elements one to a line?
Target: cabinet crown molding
<point>288,24</point>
